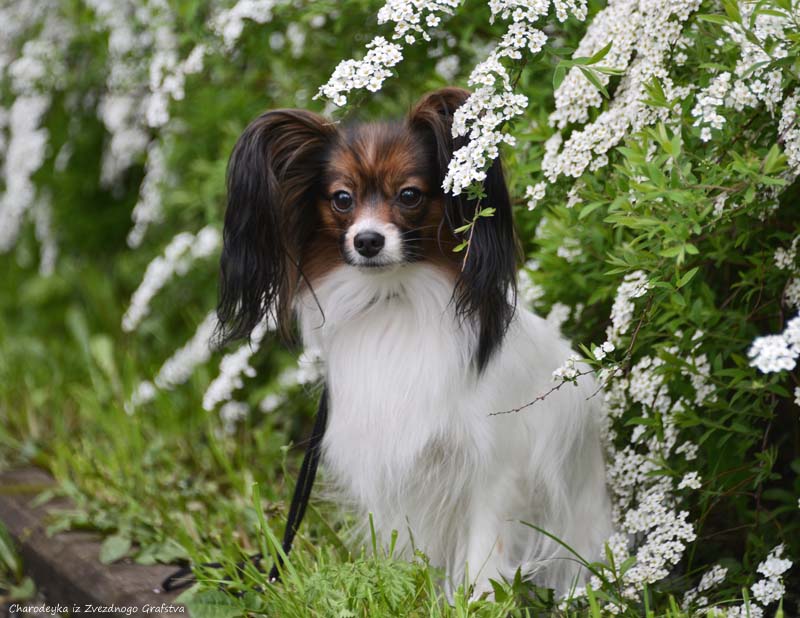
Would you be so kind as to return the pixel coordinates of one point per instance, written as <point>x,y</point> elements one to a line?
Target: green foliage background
<point>166,483</point>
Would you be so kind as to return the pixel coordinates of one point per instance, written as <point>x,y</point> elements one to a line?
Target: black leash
<point>302,492</point>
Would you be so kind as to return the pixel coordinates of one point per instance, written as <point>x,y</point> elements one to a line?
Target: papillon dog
<point>347,231</point>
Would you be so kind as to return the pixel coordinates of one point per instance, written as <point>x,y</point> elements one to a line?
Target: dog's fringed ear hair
<point>486,289</point>
<point>273,176</point>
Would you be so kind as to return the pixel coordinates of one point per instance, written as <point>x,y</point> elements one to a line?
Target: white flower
<point>771,588</point>
<point>147,209</point>
<point>691,480</point>
<point>231,413</point>
<point>568,372</point>
<point>48,246</point>
<point>447,67</point>
<point>179,367</point>
<point>534,194</point>
<point>559,313</point>
<point>371,71</point>
<point>785,258</point>
<point>633,286</point>
<point>529,291</point>
<point>772,353</point>
<point>24,156</point>
<point>184,249</point>
<point>229,23</point>
<point>602,350</point>
<point>233,366</point>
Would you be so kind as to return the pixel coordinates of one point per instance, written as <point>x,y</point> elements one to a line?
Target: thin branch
<point>543,395</point>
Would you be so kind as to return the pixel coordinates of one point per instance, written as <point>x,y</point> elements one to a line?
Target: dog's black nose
<point>369,244</point>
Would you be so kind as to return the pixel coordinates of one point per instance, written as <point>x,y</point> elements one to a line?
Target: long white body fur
<point>410,438</point>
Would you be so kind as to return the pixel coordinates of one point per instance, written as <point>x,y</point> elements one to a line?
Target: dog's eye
<point>410,197</point>
<point>342,201</point>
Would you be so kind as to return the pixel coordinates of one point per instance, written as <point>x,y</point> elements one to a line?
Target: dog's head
<point>306,196</point>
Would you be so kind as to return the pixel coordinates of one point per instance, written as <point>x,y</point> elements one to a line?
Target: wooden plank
<point>66,567</point>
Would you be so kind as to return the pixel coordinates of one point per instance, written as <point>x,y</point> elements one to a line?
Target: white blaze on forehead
<point>393,245</point>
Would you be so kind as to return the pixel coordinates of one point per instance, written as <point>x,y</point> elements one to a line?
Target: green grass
<point>14,585</point>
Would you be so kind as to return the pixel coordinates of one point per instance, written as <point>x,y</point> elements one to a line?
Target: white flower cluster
<point>603,350</point>
<point>759,40</point>
<point>168,75</point>
<point>570,249</point>
<point>233,366</point>
<point>122,116</point>
<point>616,23</point>
<point>667,533</point>
<point>770,588</point>
<point>178,368</point>
<point>43,228</point>
<point>411,18</point>
<point>568,372</point>
<point>534,194</point>
<point>527,289</point>
<point>649,28</point>
<point>369,72</point>
<point>148,207</point>
<point>789,130</point>
<point>645,502</point>
<point>559,313</point>
<point>24,155</point>
<point>633,286</point>
<point>309,370</point>
<point>493,102</point>
<point>145,73</point>
<point>791,295</point>
<point>31,74</point>
<point>184,249</point>
<point>708,102</point>
<point>785,259</point>
<point>690,480</point>
<point>773,353</point>
<point>447,67</point>
<point>229,23</point>
<point>408,15</point>
<point>231,413</point>
<point>120,108</point>
<point>711,579</point>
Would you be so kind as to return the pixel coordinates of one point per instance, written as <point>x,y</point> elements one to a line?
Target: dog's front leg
<point>485,542</point>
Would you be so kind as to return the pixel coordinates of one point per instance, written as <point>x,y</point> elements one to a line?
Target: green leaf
<point>460,247</point>
<point>559,74</point>
<point>594,59</point>
<point>687,277</point>
<point>588,209</point>
<point>24,591</point>
<point>213,604</point>
<point>593,79</point>
<point>114,548</point>
<point>715,19</point>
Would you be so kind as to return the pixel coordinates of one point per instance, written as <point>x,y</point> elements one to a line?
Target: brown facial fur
<point>373,163</point>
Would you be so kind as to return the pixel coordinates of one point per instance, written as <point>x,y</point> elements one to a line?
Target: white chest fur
<point>396,367</point>
<point>410,438</point>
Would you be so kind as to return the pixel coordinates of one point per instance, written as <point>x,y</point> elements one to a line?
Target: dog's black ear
<point>486,288</point>
<point>273,178</point>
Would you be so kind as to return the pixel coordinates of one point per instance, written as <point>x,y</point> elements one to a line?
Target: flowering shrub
<point>653,148</point>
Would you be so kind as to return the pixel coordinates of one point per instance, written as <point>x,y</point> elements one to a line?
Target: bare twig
<point>471,230</point>
<point>543,395</point>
